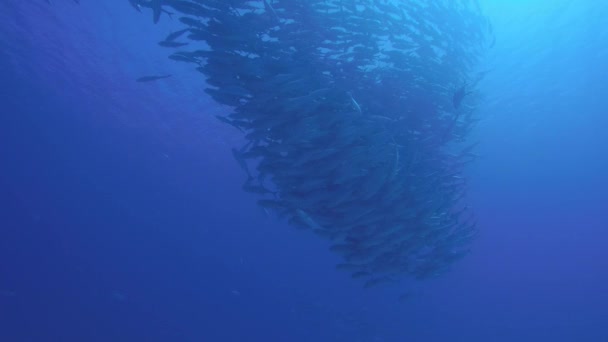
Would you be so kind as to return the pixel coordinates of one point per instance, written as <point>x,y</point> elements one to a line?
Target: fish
<point>174,35</point>
<point>459,95</point>
<point>156,6</point>
<point>385,187</point>
<point>152,78</point>
<point>238,156</point>
<point>232,123</point>
<point>268,8</point>
<point>355,103</point>
<point>308,220</point>
<point>257,189</point>
<point>135,4</point>
<point>171,44</point>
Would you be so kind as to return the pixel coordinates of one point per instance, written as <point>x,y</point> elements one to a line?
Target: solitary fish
<point>308,220</point>
<point>171,44</point>
<point>355,103</point>
<point>268,8</point>
<point>459,95</point>
<point>238,155</point>
<point>174,35</point>
<point>135,4</point>
<point>156,6</point>
<point>152,78</point>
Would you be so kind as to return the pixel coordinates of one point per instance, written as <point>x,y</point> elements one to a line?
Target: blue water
<point>122,216</point>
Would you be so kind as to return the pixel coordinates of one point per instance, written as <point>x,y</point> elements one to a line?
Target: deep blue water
<point>122,216</point>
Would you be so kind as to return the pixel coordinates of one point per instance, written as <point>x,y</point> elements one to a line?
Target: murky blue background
<point>122,216</point>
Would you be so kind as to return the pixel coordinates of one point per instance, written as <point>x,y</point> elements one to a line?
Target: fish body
<point>135,4</point>
<point>144,79</point>
<point>156,6</point>
<point>171,44</point>
<point>174,35</point>
<point>459,96</point>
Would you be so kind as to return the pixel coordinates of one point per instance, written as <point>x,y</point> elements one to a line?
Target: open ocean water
<point>123,218</point>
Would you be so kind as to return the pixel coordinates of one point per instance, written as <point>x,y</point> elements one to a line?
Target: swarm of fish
<point>355,115</point>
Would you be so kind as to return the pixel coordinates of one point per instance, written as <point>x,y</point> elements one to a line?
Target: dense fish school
<point>356,114</point>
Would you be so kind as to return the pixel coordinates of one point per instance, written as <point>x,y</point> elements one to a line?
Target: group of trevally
<point>356,115</point>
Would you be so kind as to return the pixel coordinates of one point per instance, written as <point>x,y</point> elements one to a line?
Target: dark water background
<point>122,217</point>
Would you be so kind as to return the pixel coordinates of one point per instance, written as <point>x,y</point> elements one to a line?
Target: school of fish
<point>356,115</point>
